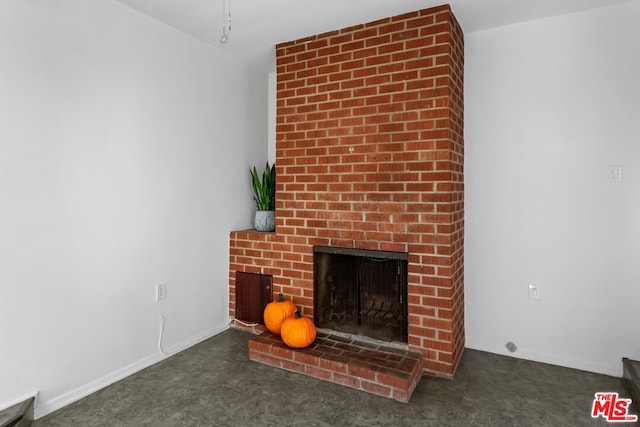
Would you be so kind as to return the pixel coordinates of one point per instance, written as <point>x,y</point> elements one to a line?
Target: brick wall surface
<point>369,155</point>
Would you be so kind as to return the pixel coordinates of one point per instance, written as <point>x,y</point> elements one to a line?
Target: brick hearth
<point>378,369</point>
<point>369,155</point>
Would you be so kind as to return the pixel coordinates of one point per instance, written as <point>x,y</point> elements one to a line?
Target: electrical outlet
<point>535,292</point>
<point>161,291</point>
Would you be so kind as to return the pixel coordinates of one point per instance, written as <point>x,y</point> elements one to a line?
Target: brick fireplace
<point>369,155</point>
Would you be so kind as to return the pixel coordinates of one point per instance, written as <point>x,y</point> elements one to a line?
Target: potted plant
<point>264,194</point>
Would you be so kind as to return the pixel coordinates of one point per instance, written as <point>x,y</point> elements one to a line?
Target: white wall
<point>550,104</point>
<point>271,122</point>
<point>124,154</point>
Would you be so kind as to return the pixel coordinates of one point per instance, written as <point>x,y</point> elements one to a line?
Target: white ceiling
<point>257,25</point>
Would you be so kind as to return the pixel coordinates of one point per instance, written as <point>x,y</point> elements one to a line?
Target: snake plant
<point>264,191</point>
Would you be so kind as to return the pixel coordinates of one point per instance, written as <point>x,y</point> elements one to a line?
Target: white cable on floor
<point>249,325</point>
<point>161,350</point>
<point>160,337</point>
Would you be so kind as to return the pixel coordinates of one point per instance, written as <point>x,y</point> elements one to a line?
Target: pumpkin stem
<point>298,315</point>
<point>280,297</point>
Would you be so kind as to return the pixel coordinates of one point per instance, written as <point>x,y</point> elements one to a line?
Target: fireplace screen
<point>361,292</point>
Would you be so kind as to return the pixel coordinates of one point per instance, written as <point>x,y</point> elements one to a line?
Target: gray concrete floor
<point>215,384</point>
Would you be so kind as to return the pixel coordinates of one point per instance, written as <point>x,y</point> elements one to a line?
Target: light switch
<point>615,173</point>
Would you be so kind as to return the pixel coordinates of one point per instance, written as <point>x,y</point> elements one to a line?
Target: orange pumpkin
<point>298,331</point>
<point>277,312</point>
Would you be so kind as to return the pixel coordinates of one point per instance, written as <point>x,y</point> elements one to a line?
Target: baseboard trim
<point>46,407</point>
<point>552,359</point>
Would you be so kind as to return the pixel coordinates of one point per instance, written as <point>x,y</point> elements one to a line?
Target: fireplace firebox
<point>361,292</point>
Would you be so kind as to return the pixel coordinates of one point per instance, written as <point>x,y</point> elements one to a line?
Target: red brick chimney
<point>369,155</point>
